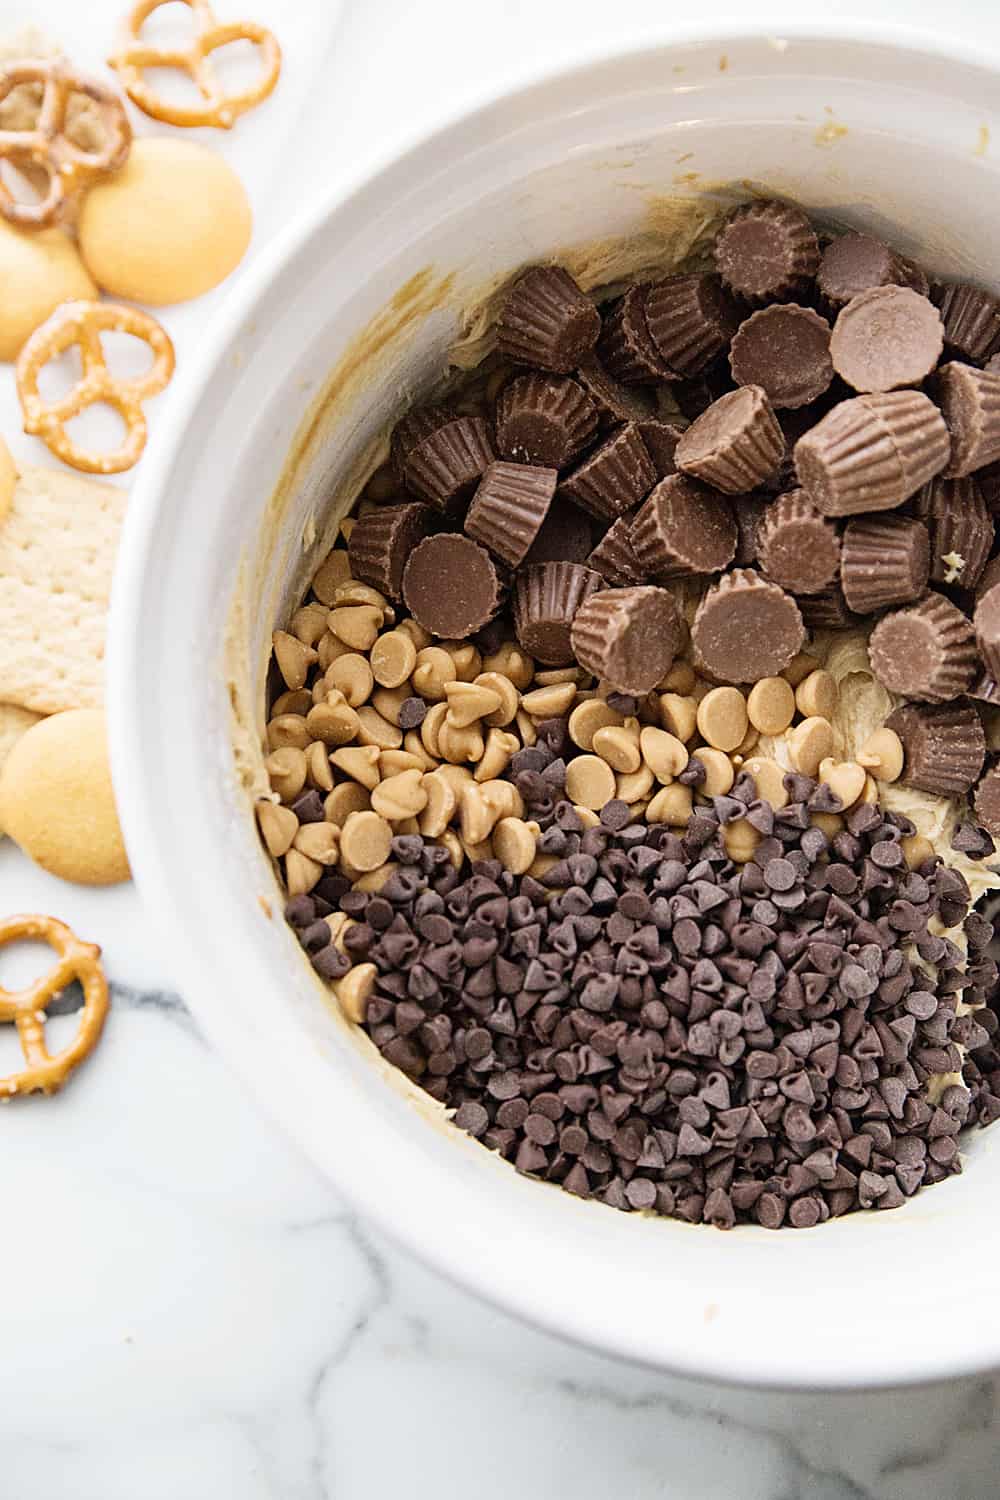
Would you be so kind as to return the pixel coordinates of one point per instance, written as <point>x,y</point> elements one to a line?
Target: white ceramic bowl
<point>573,157</point>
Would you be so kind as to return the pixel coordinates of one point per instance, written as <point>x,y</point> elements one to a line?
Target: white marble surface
<point>188,1312</point>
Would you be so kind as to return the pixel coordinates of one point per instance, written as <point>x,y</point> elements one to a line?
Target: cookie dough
<point>56,800</point>
<point>8,480</point>
<point>170,225</point>
<point>37,272</point>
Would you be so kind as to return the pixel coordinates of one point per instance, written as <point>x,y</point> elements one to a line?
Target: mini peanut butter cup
<point>661,439</point>
<point>986,802</point>
<point>547,321</point>
<point>970,401</point>
<point>412,429</point>
<point>748,513</point>
<point>684,529</point>
<point>989,576</point>
<point>986,621</point>
<point>566,535</point>
<point>960,529</point>
<point>944,746</point>
<point>854,263</point>
<point>628,637</point>
<point>796,546</point>
<point>509,507</point>
<point>971,319</point>
<point>735,445</point>
<point>544,419</point>
<point>547,597</point>
<point>886,337</point>
<point>452,586</point>
<point>614,402</point>
<point>746,628</point>
<point>988,480</point>
<point>615,558</point>
<point>766,251</point>
<point>381,542</point>
<point>625,346</point>
<point>691,319</point>
<point>828,610</point>
<point>444,467</point>
<point>785,349</point>
<point>927,651</point>
<point>884,560</point>
<point>614,478</point>
<point>872,452</point>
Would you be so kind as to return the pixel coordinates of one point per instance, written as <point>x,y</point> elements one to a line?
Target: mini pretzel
<point>81,323</point>
<point>48,149</point>
<point>219,108</point>
<point>26,1008</point>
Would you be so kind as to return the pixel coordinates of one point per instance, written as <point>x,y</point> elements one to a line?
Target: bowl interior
<point>351,316</point>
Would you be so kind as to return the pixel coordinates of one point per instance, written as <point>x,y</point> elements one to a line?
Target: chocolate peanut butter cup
<point>684,529</point>
<point>735,445</point>
<point>872,452</point>
<point>796,546</point>
<point>746,628</point>
<point>989,576</point>
<point>988,480</point>
<point>970,401</point>
<point>626,348</point>
<point>628,637</point>
<point>766,251</point>
<point>544,419</point>
<point>828,610</point>
<point>452,586</point>
<point>509,507</point>
<point>547,321</point>
<point>986,802</point>
<point>927,651</point>
<point>614,478</point>
<point>785,349</point>
<point>691,319</point>
<point>887,337</point>
<point>444,467</point>
<point>944,746</point>
<point>412,429</point>
<point>986,621</point>
<point>661,439</point>
<point>547,597</point>
<point>748,513</point>
<point>960,529</point>
<point>884,560</point>
<point>381,542</point>
<point>566,535</point>
<point>614,402</point>
<point>971,319</point>
<point>615,558</point>
<point>854,263</point>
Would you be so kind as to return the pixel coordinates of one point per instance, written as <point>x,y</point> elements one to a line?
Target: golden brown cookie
<point>173,223</point>
<point>56,800</point>
<point>37,271</point>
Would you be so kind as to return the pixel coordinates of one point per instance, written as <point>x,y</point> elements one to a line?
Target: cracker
<point>57,554</point>
<point>13,723</point>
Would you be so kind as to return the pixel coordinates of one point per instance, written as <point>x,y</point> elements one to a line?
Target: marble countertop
<point>188,1310</point>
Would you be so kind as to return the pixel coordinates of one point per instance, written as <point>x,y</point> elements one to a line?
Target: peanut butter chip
<point>615,745</point>
<point>672,804</point>
<point>882,755</point>
<point>828,823</point>
<point>320,841</point>
<point>476,816</point>
<point>916,850</point>
<point>817,695</point>
<point>460,745</point>
<point>357,625</point>
<point>587,718</point>
<point>771,705</point>
<point>635,785</point>
<point>514,845</point>
<point>441,805</point>
<point>680,679</point>
<point>301,873</point>
<point>722,717</point>
<point>333,721</point>
<point>469,702</point>
<point>278,827</point>
<point>294,658</point>
<point>549,702</point>
<point>846,779</point>
<point>349,797</point>
<point>719,773</point>
<point>500,748</point>
<point>360,762</point>
<point>679,715</point>
<point>799,667</point>
<point>513,663</point>
<point>354,991</point>
<point>318,773</point>
<point>393,658</point>
<point>420,637</point>
<point>809,743</point>
<point>308,624</point>
<point>740,839</point>
<point>467,660</point>
<point>400,796</point>
<point>506,692</point>
<point>431,727</point>
<point>286,770</point>
<point>335,570</point>
<point>433,672</point>
<point>391,762</point>
<point>590,781</point>
<point>289,729</point>
<point>664,753</point>
<point>373,729</point>
<point>770,780</point>
<point>299,701</point>
<point>365,841</point>
<point>352,676</point>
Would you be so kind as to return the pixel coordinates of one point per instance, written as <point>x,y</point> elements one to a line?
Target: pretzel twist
<point>219,108</point>
<point>46,1072</point>
<point>81,323</point>
<point>68,168</point>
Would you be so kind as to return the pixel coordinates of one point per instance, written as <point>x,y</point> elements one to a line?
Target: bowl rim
<point>125,669</point>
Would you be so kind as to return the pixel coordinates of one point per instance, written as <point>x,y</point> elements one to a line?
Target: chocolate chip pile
<point>530,794</point>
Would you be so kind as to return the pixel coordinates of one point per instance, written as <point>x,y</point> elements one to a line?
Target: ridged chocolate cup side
<point>690,319</point>
<point>766,251</point>
<point>382,540</point>
<point>944,746</point>
<point>661,439</point>
<point>547,597</point>
<point>628,637</point>
<point>884,560</point>
<point>443,468</point>
<point>853,263</point>
<point>927,651</point>
<point>684,529</point>
<point>735,445</point>
<point>614,478</point>
<point>746,628</point>
<point>871,452</point>
<point>412,429</point>
<point>785,349</point>
<point>625,346</point>
<point>829,610</point>
<point>989,576</point>
<point>970,402</point>
<point>986,621</point>
<point>986,802</point>
<point>544,419</point>
<point>509,507</point>
<point>796,546</point>
<point>615,558</point>
<point>546,321</point>
<point>748,513</point>
<point>971,319</point>
<point>614,402</point>
<point>960,529</point>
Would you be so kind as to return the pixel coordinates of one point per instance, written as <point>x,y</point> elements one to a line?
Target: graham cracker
<point>57,555</point>
<point>13,723</point>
